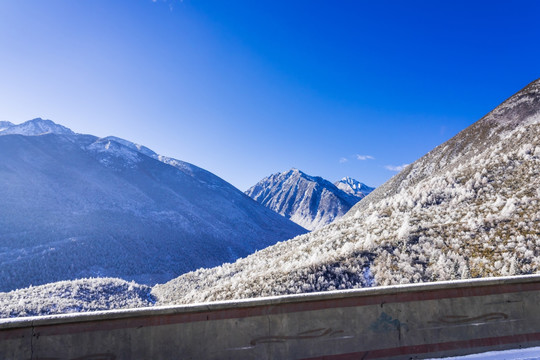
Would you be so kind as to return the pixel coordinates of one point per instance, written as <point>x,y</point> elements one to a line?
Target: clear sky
<point>249,88</point>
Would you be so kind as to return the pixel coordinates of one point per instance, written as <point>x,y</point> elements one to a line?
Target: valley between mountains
<point>468,208</point>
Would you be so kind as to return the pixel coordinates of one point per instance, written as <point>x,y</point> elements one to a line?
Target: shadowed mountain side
<point>77,206</point>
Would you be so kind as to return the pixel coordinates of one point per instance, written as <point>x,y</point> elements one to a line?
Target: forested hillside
<point>469,208</point>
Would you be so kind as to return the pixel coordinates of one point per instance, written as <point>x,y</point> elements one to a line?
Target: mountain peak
<point>105,208</point>
<point>293,171</point>
<point>516,109</point>
<point>353,187</point>
<point>34,127</point>
<point>310,201</point>
<point>5,124</point>
<point>296,174</point>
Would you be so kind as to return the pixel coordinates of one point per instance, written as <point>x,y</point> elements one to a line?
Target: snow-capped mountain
<point>4,125</point>
<point>309,201</point>
<point>469,208</point>
<point>353,187</point>
<point>81,206</point>
<point>34,127</point>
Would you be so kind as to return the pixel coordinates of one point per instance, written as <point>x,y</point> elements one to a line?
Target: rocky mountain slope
<point>78,206</point>
<point>354,187</point>
<point>469,208</point>
<point>309,201</point>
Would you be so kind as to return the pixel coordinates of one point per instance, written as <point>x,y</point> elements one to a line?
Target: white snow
<point>113,149</point>
<point>75,296</point>
<point>532,353</point>
<point>34,127</point>
<point>354,187</point>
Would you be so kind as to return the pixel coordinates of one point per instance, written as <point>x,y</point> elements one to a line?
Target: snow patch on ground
<point>517,354</point>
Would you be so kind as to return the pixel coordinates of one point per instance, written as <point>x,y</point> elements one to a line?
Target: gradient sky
<point>249,88</point>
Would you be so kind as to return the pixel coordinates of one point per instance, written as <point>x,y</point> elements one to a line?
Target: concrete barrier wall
<point>402,322</point>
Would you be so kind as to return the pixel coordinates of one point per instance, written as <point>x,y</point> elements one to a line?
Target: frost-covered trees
<point>469,208</point>
<point>75,296</point>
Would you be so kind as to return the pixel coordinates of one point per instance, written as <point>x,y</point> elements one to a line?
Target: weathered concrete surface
<point>413,321</point>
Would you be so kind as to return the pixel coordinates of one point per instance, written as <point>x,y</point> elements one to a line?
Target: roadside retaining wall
<point>400,322</point>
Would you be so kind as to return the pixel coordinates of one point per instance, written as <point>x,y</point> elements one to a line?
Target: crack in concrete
<point>32,342</point>
<point>268,348</point>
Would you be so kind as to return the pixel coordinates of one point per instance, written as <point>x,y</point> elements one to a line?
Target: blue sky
<point>249,88</point>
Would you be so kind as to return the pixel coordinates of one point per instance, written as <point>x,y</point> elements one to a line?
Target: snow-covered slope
<point>80,206</point>
<point>75,296</point>
<point>34,127</point>
<point>469,208</point>
<point>4,125</point>
<point>309,201</point>
<point>353,187</point>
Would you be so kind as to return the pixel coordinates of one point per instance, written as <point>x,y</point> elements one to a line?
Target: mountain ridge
<point>353,187</point>
<point>84,206</point>
<point>456,149</point>
<point>34,127</point>
<point>473,218</point>
<point>468,208</point>
<point>309,201</point>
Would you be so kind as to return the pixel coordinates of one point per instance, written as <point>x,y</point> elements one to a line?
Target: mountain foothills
<point>77,206</point>
<point>311,202</point>
<point>469,208</point>
<point>81,295</point>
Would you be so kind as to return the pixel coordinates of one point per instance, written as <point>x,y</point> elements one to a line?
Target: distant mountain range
<point>310,201</point>
<point>469,208</point>
<point>76,205</point>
